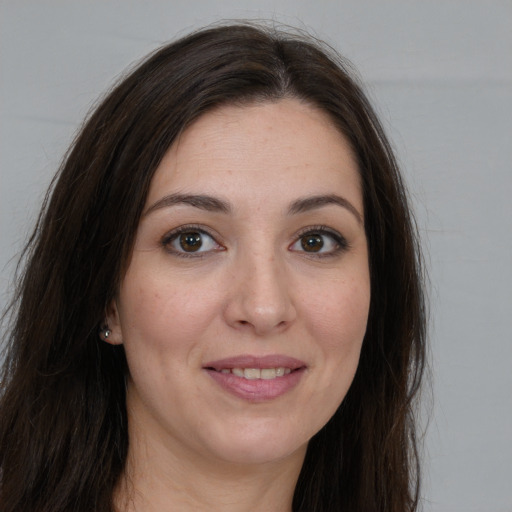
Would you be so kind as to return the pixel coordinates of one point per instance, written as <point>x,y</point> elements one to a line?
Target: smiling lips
<point>257,373</point>
<point>257,379</point>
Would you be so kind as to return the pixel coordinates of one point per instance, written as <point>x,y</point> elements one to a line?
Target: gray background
<point>440,74</point>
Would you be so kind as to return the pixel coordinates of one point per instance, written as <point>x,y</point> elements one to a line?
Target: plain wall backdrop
<point>439,73</point>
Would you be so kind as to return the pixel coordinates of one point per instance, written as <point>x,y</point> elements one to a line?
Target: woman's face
<point>245,303</point>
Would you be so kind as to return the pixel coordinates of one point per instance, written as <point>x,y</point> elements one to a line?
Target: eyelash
<point>340,242</point>
<point>190,228</point>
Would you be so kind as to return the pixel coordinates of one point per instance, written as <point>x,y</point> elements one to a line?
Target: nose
<point>260,298</point>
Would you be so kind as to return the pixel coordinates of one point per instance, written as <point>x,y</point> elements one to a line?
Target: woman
<point>221,306</point>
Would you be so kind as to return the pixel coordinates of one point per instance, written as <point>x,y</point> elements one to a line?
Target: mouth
<point>257,373</point>
<point>257,379</point>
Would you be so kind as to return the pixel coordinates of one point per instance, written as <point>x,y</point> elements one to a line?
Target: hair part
<point>63,422</point>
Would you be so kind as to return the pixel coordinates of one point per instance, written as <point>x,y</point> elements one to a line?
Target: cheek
<point>336,323</point>
<point>162,314</point>
<point>338,315</point>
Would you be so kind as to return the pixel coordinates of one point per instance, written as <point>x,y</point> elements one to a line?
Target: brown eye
<point>190,242</point>
<point>312,242</point>
<point>320,241</point>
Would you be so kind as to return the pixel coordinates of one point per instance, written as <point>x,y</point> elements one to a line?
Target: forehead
<point>259,148</point>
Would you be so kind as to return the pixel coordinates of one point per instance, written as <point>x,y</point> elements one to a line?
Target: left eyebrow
<point>314,202</point>
<point>203,202</point>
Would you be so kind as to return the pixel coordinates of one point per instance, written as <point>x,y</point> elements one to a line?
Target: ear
<point>110,331</point>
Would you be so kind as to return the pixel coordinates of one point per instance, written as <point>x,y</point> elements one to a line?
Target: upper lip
<point>251,361</point>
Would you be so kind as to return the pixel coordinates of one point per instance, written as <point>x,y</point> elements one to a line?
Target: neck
<point>163,478</point>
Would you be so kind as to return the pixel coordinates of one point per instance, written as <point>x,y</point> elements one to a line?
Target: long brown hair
<point>63,422</point>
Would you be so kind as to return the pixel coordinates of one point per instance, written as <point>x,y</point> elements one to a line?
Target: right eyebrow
<point>203,202</point>
<point>314,202</point>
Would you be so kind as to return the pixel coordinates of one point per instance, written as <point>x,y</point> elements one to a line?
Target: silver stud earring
<point>105,333</point>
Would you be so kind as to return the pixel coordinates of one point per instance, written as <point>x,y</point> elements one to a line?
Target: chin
<point>253,444</point>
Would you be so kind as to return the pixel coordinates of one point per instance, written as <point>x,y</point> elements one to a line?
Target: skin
<point>251,288</point>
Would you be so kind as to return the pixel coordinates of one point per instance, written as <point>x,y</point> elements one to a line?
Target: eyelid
<point>170,236</point>
<point>342,244</point>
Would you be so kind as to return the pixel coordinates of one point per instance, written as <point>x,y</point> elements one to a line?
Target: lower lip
<point>257,390</point>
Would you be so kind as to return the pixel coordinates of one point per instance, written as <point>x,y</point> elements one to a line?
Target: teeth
<point>239,372</point>
<point>256,373</point>
<point>252,373</point>
<point>268,373</point>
